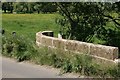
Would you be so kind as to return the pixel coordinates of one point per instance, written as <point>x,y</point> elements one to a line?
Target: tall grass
<point>22,48</point>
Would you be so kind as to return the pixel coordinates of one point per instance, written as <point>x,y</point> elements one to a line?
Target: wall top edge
<point>75,41</point>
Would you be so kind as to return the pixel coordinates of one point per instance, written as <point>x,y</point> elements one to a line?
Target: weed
<point>24,49</point>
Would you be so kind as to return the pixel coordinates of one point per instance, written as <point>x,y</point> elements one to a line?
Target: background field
<point>29,24</point>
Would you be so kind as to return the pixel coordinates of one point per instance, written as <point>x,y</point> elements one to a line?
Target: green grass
<point>29,24</point>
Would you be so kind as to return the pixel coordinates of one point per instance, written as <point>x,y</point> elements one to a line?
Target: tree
<point>48,7</point>
<point>88,21</point>
<point>87,17</point>
<point>4,7</point>
<point>10,7</point>
<point>24,7</point>
<point>30,7</point>
<point>37,7</point>
<point>7,6</point>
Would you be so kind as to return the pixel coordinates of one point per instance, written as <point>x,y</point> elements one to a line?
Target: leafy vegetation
<point>91,22</point>
<point>15,46</point>
<point>28,7</point>
<point>83,21</point>
<point>22,48</point>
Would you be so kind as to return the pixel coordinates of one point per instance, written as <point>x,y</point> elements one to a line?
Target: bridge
<point>100,53</point>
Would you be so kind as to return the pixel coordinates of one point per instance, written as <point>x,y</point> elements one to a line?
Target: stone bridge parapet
<point>46,38</point>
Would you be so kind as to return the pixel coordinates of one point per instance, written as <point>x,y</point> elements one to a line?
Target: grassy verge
<point>21,48</point>
<point>29,24</point>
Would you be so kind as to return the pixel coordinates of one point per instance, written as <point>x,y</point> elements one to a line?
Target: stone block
<point>71,45</point>
<point>104,51</point>
<point>38,37</point>
<point>47,41</point>
<point>59,43</point>
<point>83,47</point>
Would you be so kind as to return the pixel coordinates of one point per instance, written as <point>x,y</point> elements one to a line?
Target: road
<point>14,69</point>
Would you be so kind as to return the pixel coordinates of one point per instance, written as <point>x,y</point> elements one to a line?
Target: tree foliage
<point>94,22</point>
<point>29,7</point>
<point>7,6</point>
<point>88,21</point>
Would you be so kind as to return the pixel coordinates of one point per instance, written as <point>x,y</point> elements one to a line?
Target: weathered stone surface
<point>115,52</point>
<point>38,37</point>
<point>38,44</point>
<point>59,43</point>
<point>106,63</point>
<point>83,47</point>
<point>71,45</point>
<point>47,41</point>
<point>102,51</point>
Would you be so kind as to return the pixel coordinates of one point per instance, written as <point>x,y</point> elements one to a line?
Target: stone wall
<point>46,38</point>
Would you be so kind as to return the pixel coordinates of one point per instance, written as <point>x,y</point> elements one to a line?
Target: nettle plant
<point>17,47</point>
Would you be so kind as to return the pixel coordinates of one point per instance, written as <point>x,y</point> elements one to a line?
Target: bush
<point>17,47</point>
<point>23,49</point>
<point>7,46</point>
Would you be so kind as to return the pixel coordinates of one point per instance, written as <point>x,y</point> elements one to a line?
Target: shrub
<point>17,47</point>
<point>7,46</point>
<point>23,49</point>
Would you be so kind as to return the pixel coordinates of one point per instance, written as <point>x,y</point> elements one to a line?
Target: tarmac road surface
<point>13,69</point>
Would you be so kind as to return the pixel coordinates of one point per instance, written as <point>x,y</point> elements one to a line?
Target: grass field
<point>29,24</point>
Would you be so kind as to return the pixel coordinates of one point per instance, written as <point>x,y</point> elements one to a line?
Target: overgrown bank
<point>20,48</point>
